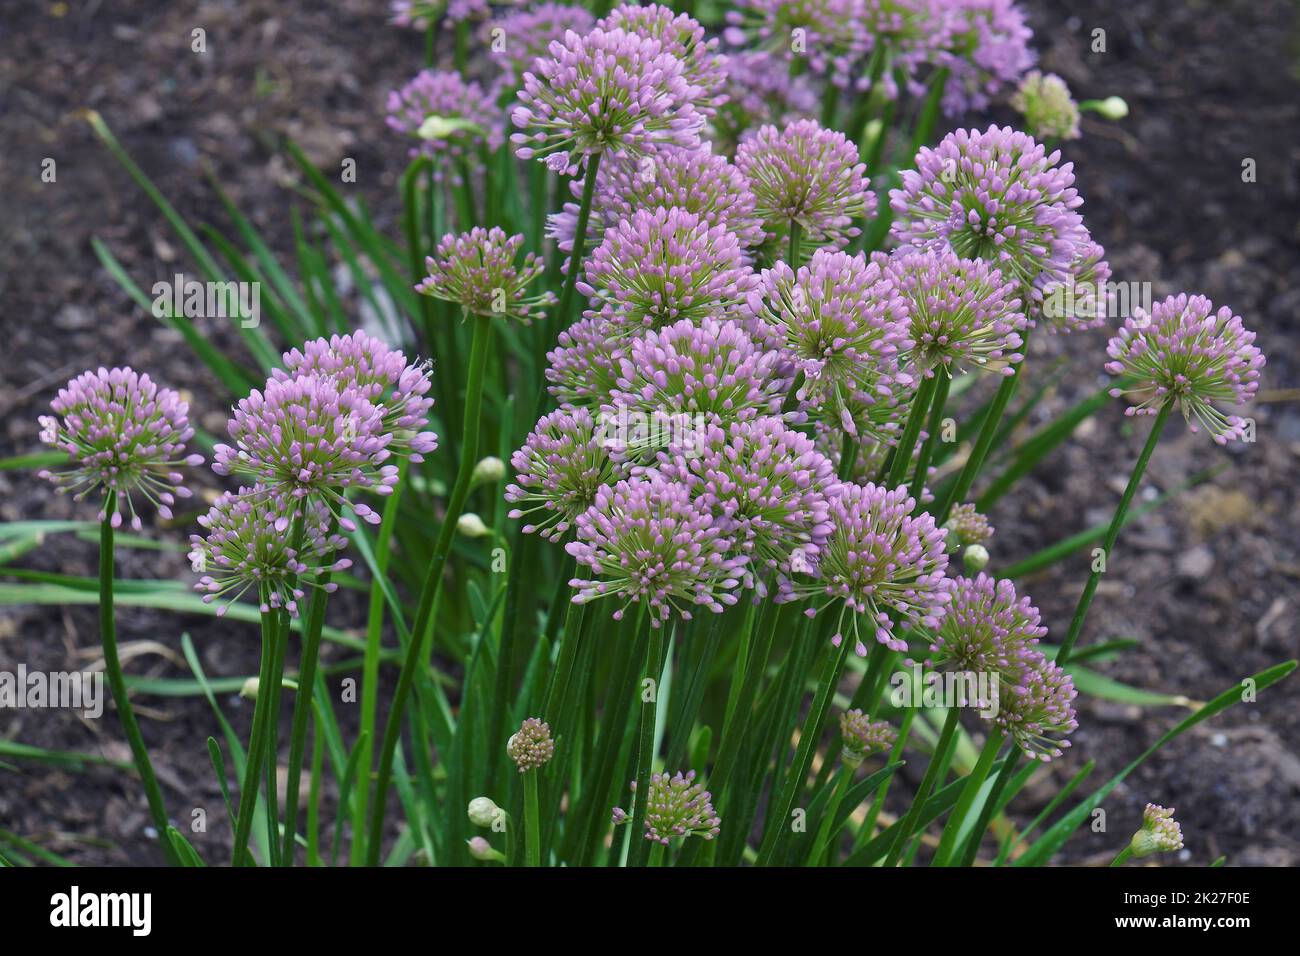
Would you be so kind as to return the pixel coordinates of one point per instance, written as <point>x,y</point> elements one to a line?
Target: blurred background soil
<point>1206,584</point>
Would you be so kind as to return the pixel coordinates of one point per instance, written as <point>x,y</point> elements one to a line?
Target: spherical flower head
<point>1035,709</point>
<point>987,630</point>
<point>517,39</point>
<point>961,313</point>
<point>1160,832</point>
<point>828,34</point>
<point>808,175</point>
<point>648,540</point>
<point>843,325</point>
<point>682,378</point>
<point>1045,102</point>
<point>531,745</point>
<point>480,271</point>
<point>311,436</point>
<point>605,91</point>
<point>380,374</point>
<point>863,736</point>
<point>760,91</point>
<point>1083,300</point>
<point>250,544</point>
<point>879,559</point>
<point>683,37</point>
<point>766,485</point>
<point>695,181</point>
<point>676,806</point>
<point>986,50</point>
<point>450,118</point>
<point>122,434</point>
<point>665,265</point>
<point>1184,351</point>
<point>994,195</point>
<point>585,367</point>
<point>557,472</point>
<point>966,526</point>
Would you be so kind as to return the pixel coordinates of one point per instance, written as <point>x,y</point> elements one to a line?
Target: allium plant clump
<point>723,301</point>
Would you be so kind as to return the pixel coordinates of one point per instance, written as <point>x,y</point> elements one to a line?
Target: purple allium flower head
<point>968,526</point>
<point>683,37</point>
<point>607,91</point>
<point>759,91</point>
<point>843,324</point>
<point>987,51</point>
<point>766,485</point>
<point>987,629</point>
<point>531,745</point>
<point>810,175</point>
<point>1184,351</point>
<point>585,367</point>
<point>686,376</point>
<point>1160,832</point>
<point>522,35</point>
<point>863,736</point>
<point>908,35</point>
<point>248,545</point>
<point>676,806</point>
<point>450,118</point>
<point>961,313</point>
<point>995,195</point>
<point>477,270</point>
<point>878,559</point>
<point>694,180</point>
<point>1035,708</point>
<point>1045,102</point>
<point>647,539</point>
<point>423,14</point>
<point>124,434</point>
<point>665,265</point>
<point>1083,300</point>
<point>558,469</point>
<point>381,375</point>
<point>828,34</point>
<point>311,436</point>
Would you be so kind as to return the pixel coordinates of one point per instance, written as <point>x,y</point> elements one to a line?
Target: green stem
<point>792,253</point>
<point>974,783</point>
<point>988,429</point>
<point>938,401</point>
<point>117,682</point>
<point>579,243</point>
<point>1123,856</point>
<point>256,737</point>
<point>415,656</point>
<point>646,744</point>
<point>972,845</point>
<point>868,828</point>
<point>302,702</point>
<point>532,821</point>
<point>808,736</point>
<point>927,785</point>
<point>1112,534</point>
<point>822,845</point>
<point>901,456</point>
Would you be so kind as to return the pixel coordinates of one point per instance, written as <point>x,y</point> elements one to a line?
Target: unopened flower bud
<point>975,557</point>
<point>249,690</point>
<point>863,736</point>
<point>483,811</point>
<point>1160,833</point>
<point>1112,107</point>
<point>472,526</point>
<point>480,849</point>
<point>488,472</point>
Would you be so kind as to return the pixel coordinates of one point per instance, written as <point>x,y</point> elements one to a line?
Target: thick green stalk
<point>415,656</point>
<point>808,736</point>
<point>532,820</point>
<point>901,456</point>
<point>868,828</point>
<point>562,311</point>
<point>370,668</point>
<point>1112,534</point>
<point>748,677</point>
<point>646,744</point>
<point>974,782</point>
<point>302,703</point>
<point>256,736</point>
<point>927,785</point>
<point>792,253</point>
<point>1123,856</point>
<point>117,682</point>
<point>938,400</point>
<point>822,845</point>
<point>972,845</point>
